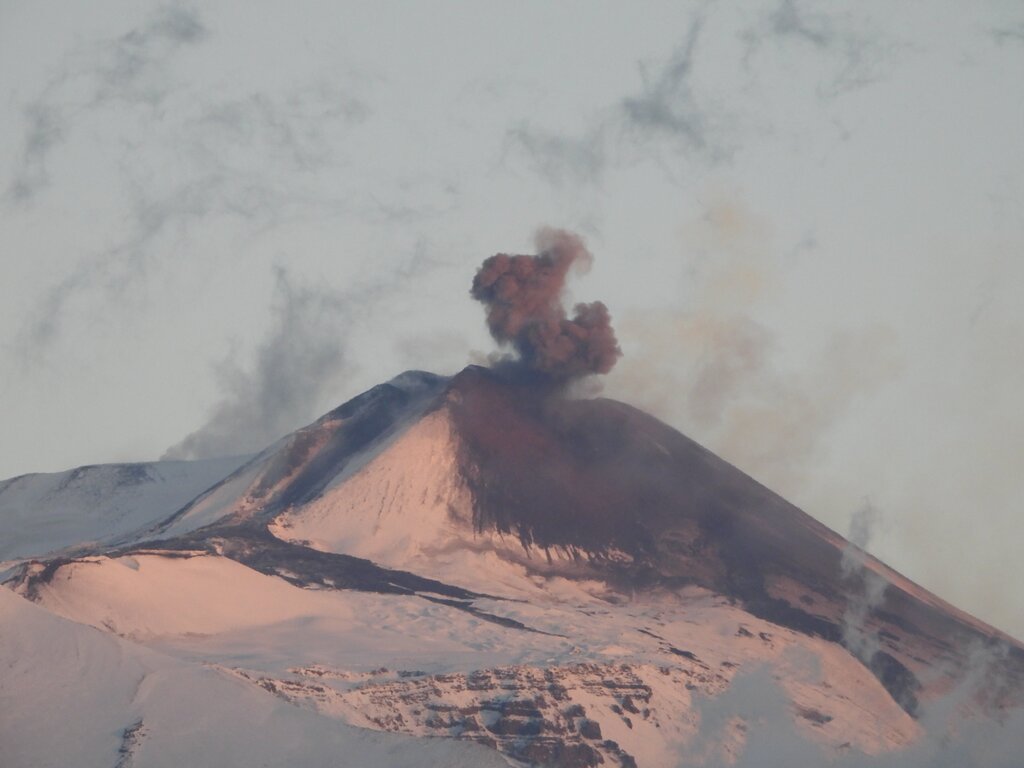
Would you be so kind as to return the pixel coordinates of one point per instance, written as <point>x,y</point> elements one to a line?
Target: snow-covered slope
<point>636,671</point>
<point>74,695</point>
<point>42,513</point>
<point>407,507</point>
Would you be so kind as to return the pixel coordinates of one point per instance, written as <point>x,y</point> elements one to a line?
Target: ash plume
<point>523,297</point>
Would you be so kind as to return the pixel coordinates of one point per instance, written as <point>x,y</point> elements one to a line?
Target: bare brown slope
<point>650,507</point>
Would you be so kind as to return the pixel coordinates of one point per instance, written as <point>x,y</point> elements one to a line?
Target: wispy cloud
<point>1009,34</point>
<point>674,116</point>
<point>851,55</point>
<point>112,271</point>
<point>668,104</point>
<point>45,128</point>
<point>560,158</point>
<point>292,127</point>
<point>787,21</point>
<point>255,157</point>
<point>131,69</point>
<point>667,111</point>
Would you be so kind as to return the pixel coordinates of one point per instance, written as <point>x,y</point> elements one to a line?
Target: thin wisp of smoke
<point>866,588</point>
<point>523,297</point>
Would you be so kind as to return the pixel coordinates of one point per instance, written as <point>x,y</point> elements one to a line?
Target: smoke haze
<point>953,733</point>
<point>713,370</point>
<point>297,363</point>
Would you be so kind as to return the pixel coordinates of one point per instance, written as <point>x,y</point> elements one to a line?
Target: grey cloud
<point>43,325</point>
<point>668,105</point>
<point>1012,34</point>
<point>787,21</point>
<point>670,116</point>
<point>299,361</point>
<point>114,270</point>
<point>410,202</point>
<point>288,136</point>
<point>853,56</point>
<point>666,109</point>
<point>669,110</point>
<point>292,127</point>
<point>560,158</point>
<point>130,68</point>
<point>179,25</point>
<point>45,129</point>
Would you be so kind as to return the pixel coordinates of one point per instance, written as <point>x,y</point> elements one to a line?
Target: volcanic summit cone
<point>536,546</point>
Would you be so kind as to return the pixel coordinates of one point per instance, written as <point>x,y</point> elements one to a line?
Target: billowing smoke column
<point>523,296</point>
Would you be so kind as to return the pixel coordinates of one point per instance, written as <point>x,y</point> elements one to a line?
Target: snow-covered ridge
<point>302,465</point>
<point>42,513</point>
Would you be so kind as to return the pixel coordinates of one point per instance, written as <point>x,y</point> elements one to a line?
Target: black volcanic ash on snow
<point>523,297</point>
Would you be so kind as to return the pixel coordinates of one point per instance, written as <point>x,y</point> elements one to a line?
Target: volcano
<point>532,579</point>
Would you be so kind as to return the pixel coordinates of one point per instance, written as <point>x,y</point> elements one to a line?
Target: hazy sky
<point>219,220</point>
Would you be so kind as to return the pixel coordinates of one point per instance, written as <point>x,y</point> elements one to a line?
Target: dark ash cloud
<point>523,297</point>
